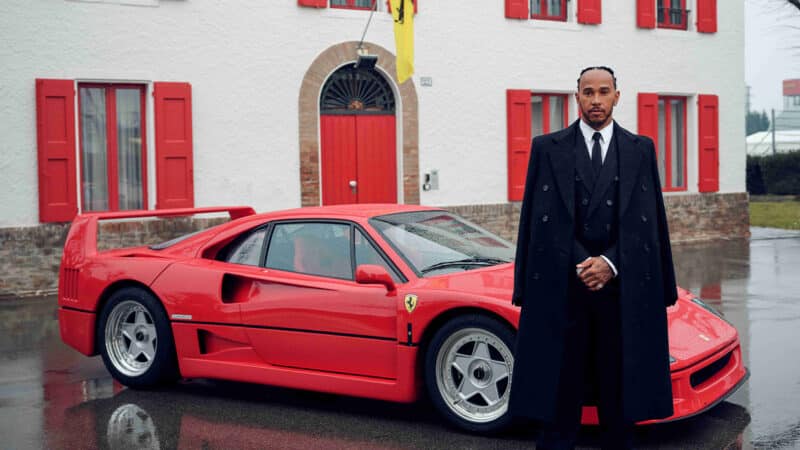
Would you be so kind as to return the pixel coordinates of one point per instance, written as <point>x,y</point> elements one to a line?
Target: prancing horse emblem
<point>411,302</point>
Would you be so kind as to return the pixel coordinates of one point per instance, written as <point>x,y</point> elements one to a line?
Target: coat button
<point>536,276</point>
<point>647,276</point>
<point>608,227</point>
<point>586,227</point>
<point>646,248</point>
<point>577,178</point>
<point>616,177</point>
<point>585,201</point>
<point>609,202</point>
<point>545,218</point>
<point>644,187</point>
<point>644,219</point>
<point>545,188</point>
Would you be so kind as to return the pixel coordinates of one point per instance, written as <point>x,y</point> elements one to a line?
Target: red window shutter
<point>313,3</point>
<point>517,9</point>
<point>55,134</point>
<point>174,162</point>
<point>708,165</point>
<point>590,12</point>
<point>646,13</point>
<point>707,16</point>
<point>518,121</point>
<point>648,116</point>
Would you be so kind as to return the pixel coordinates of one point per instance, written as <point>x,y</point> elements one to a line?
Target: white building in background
<point>129,104</point>
<point>786,128</point>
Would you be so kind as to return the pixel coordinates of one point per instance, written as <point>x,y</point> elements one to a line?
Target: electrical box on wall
<point>430,180</point>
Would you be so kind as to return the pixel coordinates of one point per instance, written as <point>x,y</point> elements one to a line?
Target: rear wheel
<point>135,339</point>
<point>468,367</point>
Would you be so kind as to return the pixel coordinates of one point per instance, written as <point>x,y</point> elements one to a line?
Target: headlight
<point>709,308</point>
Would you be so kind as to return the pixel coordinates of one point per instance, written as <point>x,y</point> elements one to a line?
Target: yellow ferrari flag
<point>403,15</point>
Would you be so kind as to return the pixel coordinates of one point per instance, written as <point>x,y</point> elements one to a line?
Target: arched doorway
<point>357,138</point>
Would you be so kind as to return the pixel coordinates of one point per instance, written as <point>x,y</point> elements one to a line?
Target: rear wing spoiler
<point>81,240</point>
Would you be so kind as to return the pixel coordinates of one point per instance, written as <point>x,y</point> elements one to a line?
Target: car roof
<point>361,210</point>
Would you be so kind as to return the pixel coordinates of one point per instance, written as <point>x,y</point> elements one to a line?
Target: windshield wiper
<point>467,261</point>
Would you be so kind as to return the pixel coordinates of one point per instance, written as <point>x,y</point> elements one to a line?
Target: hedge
<point>777,174</point>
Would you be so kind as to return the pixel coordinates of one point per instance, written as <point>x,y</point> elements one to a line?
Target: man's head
<point>597,95</point>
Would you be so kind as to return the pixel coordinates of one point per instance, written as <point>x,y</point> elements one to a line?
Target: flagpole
<point>371,12</point>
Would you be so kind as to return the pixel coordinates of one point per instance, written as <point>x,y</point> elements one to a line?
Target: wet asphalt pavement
<point>53,397</point>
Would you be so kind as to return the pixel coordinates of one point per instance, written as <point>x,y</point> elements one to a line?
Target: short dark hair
<point>606,68</point>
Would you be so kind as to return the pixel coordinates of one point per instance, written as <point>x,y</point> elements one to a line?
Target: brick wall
<point>29,257</point>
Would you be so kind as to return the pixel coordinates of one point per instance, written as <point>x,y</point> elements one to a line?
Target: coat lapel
<point>562,161</point>
<point>583,163</point>
<point>606,178</point>
<point>630,158</point>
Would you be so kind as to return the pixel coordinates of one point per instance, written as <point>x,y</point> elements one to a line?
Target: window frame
<point>112,163</point>
<point>351,6</point>
<point>667,23</point>
<point>546,125</point>
<point>666,183</point>
<point>545,16</point>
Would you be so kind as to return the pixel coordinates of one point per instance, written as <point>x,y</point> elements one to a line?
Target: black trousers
<point>592,371</point>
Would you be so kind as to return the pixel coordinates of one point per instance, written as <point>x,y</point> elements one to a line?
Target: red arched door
<point>358,139</point>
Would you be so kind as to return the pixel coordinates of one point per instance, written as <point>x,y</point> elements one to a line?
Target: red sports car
<point>377,301</point>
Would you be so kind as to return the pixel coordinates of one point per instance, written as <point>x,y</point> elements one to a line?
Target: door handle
<point>353,185</point>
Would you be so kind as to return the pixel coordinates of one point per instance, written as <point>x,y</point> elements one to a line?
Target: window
<point>548,113</point>
<point>352,4</point>
<point>112,147</point>
<point>672,14</point>
<point>246,250</point>
<point>671,145</point>
<point>366,254</point>
<point>312,248</point>
<point>549,9</point>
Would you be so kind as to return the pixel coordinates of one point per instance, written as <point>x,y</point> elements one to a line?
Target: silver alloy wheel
<point>473,374</point>
<point>131,338</point>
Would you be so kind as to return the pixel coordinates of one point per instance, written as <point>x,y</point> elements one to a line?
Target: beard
<point>597,123</point>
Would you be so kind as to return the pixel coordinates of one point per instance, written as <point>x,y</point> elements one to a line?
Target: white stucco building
<point>189,102</point>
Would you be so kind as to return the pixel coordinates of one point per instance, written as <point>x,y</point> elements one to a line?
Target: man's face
<point>597,97</point>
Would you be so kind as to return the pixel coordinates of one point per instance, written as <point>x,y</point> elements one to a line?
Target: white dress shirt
<point>605,140</point>
<point>605,137</point>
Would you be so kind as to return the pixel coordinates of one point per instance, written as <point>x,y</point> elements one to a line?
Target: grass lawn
<point>775,214</point>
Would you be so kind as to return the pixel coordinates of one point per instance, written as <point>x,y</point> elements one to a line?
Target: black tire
<point>460,342</point>
<point>134,319</point>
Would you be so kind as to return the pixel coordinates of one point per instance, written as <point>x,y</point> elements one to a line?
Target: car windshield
<point>436,242</point>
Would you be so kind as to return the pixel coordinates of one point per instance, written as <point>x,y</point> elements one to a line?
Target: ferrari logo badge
<point>411,302</point>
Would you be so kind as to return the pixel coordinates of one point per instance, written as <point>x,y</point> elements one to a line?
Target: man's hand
<point>594,272</point>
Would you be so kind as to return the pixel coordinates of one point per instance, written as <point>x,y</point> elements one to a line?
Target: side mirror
<point>374,274</point>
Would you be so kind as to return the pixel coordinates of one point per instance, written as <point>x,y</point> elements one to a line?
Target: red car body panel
<point>268,326</point>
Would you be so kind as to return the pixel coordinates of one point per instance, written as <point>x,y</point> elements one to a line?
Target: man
<point>593,275</point>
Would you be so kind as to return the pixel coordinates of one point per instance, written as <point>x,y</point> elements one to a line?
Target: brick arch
<point>326,63</point>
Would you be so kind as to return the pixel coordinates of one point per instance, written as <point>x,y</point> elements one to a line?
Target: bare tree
<point>795,3</point>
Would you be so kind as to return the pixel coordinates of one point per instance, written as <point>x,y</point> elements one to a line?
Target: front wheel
<point>135,339</point>
<point>468,367</point>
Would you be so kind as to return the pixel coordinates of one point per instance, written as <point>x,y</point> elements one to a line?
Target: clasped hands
<point>594,272</point>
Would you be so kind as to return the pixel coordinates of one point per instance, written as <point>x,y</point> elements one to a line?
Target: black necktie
<point>597,156</point>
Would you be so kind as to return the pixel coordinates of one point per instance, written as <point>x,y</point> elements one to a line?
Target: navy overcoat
<point>545,258</point>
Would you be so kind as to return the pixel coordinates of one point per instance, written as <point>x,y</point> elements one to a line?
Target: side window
<point>312,248</point>
<point>366,254</point>
<point>247,251</point>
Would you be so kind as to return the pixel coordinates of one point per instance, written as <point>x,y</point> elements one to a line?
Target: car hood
<point>694,332</point>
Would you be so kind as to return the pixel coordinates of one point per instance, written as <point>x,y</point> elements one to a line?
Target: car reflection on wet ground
<point>53,397</point>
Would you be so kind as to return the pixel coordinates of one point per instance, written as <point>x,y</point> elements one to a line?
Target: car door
<point>306,311</point>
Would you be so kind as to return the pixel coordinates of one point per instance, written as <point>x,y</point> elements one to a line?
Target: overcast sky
<point>772,50</point>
